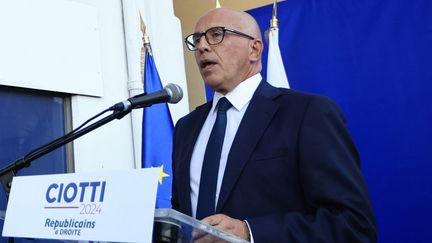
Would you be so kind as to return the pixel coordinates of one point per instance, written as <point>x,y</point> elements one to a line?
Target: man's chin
<point>214,83</point>
<point>218,88</point>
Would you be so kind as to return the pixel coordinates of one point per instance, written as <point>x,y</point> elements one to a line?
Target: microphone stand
<point>9,171</point>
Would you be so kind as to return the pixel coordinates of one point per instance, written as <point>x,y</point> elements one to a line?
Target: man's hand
<point>233,226</point>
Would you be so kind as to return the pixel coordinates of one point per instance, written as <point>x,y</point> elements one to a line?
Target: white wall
<point>50,50</point>
<point>111,146</point>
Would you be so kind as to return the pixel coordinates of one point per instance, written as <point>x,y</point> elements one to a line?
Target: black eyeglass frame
<point>224,29</point>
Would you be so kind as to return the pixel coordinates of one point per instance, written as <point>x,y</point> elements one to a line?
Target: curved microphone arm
<point>172,93</point>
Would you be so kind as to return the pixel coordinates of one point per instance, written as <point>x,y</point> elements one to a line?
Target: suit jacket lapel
<point>258,115</point>
<point>195,128</point>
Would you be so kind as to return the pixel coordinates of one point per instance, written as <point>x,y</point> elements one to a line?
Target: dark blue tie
<point>210,168</point>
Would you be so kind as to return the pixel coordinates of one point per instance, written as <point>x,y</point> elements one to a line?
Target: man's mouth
<point>206,64</point>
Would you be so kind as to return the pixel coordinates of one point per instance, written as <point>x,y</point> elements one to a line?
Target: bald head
<point>235,19</point>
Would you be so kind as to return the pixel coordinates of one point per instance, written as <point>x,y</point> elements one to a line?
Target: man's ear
<point>256,49</point>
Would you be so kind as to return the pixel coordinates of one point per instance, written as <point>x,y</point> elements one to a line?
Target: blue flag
<point>157,134</point>
<point>374,60</point>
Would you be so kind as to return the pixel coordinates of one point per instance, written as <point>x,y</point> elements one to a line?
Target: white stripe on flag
<point>276,75</point>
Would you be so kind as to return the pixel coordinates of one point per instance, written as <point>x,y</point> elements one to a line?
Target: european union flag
<point>157,134</point>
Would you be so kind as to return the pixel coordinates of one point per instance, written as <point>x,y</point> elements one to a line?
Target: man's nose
<point>202,45</point>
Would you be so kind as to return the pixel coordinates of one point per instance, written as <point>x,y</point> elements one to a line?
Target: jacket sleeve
<point>336,196</point>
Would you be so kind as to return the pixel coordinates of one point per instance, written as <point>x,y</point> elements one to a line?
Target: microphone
<point>171,93</point>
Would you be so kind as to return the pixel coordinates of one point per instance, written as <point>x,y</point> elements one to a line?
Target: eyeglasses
<point>213,36</point>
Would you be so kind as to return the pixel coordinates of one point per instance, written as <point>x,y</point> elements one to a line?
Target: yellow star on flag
<point>162,174</point>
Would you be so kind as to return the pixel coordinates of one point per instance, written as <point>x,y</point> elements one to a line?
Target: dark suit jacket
<point>293,171</point>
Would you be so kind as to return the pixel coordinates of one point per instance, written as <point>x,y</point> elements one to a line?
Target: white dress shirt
<point>239,98</point>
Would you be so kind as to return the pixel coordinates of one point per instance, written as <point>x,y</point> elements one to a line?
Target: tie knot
<point>223,104</point>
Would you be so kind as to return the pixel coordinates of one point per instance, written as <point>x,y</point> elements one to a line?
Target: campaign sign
<point>105,206</point>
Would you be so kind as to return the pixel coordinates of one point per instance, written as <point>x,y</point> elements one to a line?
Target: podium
<point>173,226</point>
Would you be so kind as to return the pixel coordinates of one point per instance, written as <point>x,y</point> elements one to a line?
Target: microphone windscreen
<point>175,92</point>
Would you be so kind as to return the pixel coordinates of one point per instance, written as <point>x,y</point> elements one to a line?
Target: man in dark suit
<point>284,169</point>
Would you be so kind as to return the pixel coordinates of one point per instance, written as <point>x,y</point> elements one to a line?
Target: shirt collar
<point>241,94</point>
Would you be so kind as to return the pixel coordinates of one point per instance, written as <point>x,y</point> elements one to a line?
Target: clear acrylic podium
<point>173,226</point>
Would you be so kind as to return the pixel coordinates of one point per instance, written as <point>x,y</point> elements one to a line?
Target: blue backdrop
<point>373,57</point>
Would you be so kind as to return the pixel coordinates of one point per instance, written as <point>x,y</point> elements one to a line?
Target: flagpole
<point>145,37</point>
<point>276,74</point>
<point>274,20</point>
<point>146,45</point>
